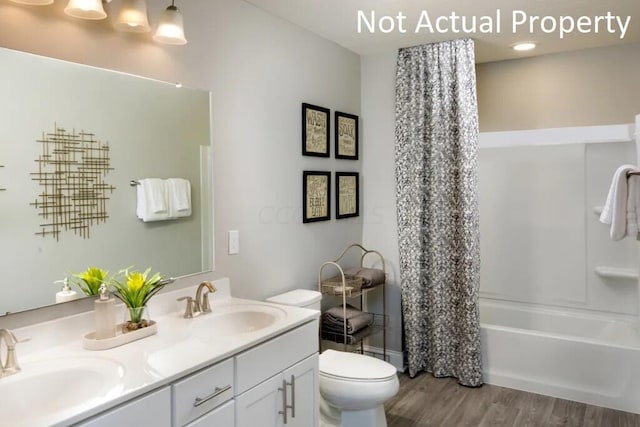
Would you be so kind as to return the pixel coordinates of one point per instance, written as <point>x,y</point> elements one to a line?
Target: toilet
<point>353,387</point>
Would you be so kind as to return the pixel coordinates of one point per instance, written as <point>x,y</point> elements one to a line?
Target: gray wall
<point>588,87</point>
<point>259,69</point>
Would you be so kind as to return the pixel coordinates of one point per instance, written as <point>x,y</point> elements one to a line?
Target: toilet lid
<point>354,366</point>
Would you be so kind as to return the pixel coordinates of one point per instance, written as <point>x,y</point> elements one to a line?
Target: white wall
<point>260,69</point>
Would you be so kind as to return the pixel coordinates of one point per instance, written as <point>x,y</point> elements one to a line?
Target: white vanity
<point>247,363</point>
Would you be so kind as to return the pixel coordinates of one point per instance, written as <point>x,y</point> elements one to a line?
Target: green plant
<point>89,281</point>
<point>135,289</point>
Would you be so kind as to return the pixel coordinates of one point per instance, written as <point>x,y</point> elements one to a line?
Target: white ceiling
<point>336,20</point>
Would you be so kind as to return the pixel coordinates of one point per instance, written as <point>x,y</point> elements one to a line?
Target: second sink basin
<point>235,319</point>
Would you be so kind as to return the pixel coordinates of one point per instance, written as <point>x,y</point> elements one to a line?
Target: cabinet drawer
<point>199,393</point>
<point>265,360</point>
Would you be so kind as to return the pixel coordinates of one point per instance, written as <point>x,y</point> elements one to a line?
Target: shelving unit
<point>350,287</point>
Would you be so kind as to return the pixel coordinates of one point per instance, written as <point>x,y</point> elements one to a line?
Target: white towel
<point>179,197</point>
<point>152,200</point>
<point>621,209</point>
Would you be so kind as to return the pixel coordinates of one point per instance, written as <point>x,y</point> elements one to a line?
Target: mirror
<point>129,128</point>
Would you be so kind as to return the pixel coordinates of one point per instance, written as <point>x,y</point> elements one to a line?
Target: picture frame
<point>316,196</point>
<point>315,130</point>
<point>347,194</point>
<point>346,136</point>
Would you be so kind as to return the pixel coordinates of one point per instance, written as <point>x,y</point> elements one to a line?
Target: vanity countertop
<point>140,366</point>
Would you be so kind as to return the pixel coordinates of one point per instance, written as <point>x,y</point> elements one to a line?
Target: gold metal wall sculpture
<point>71,172</point>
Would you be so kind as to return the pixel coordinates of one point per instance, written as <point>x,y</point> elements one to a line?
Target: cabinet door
<point>219,417</point>
<point>304,393</point>
<point>153,409</point>
<point>260,406</point>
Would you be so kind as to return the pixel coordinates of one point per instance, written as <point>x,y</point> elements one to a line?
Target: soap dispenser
<point>66,294</point>
<point>105,310</point>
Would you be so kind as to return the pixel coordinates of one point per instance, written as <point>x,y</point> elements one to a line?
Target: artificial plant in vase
<point>89,281</point>
<point>135,289</point>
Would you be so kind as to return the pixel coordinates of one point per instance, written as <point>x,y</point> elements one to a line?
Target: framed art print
<point>347,194</point>
<point>315,130</point>
<point>316,196</point>
<point>346,136</point>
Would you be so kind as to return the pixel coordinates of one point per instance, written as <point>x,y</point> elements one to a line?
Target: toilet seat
<point>339,365</point>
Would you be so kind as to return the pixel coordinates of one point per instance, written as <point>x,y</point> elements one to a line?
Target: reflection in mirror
<point>152,130</point>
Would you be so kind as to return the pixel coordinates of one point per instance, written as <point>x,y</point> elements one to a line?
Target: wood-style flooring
<point>428,401</point>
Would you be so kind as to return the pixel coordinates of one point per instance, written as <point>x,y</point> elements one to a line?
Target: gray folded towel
<point>371,276</point>
<point>334,319</point>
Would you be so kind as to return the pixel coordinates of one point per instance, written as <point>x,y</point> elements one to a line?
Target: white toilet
<point>353,387</point>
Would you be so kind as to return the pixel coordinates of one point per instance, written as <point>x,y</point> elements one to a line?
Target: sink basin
<point>47,387</point>
<point>235,319</point>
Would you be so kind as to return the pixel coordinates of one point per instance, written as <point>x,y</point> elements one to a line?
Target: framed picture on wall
<point>315,130</point>
<point>346,136</point>
<point>347,194</point>
<point>316,196</point>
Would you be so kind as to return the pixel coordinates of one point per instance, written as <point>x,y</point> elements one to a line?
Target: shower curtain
<point>438,238</point>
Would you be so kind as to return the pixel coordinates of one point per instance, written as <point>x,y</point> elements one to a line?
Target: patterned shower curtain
<point>438,237</point>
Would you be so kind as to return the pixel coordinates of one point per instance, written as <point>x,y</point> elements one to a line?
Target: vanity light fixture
<point>133,17</point>
<point>170,28</point>
<point>524,46</point>
<point>85,9</point>
<point>34,2</point>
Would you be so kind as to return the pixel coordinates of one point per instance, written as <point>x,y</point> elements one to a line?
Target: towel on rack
<point>371,276</point>
<point>622,208</point>
<point>334,318</point>
<point>179,197</point>
<point>151,200</point>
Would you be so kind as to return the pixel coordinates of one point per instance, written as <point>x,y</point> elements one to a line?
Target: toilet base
<point>332,417</point>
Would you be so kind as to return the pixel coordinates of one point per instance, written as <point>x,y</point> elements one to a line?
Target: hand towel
<point>152,203</point>
<point>179,197</point>
<point>621,205</point>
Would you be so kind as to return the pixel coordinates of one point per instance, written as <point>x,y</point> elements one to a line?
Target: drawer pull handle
<point>217,392</point>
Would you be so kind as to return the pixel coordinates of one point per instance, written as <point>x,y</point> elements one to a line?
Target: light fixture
<point>133,17</point>
<point>85,9</point>
<point>524,46</point>
<point>34,2</point>
<point>170,28</point>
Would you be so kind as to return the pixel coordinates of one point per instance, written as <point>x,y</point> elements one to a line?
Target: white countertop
<point>146,364</point>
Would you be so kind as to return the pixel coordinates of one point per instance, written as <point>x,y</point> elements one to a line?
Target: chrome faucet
<point>10,365</point>
<point>201,304</point>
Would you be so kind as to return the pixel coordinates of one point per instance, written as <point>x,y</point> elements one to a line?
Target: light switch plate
<point>234,242</point>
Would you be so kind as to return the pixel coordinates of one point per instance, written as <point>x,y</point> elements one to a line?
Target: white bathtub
<point>590,358</point>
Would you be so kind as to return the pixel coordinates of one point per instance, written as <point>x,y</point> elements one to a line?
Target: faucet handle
<point>189,310</point>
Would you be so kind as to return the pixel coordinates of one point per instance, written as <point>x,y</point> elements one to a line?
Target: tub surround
<point>146,364</point>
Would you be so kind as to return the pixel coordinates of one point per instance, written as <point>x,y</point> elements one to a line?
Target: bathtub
<point>570,354</point>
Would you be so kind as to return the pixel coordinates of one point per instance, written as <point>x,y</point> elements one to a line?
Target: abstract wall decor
<point>71,173</point>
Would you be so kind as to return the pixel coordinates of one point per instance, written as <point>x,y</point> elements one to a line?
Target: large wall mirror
<point>153,130</point>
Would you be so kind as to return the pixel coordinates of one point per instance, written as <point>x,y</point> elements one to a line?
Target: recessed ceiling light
<point>521,47</point>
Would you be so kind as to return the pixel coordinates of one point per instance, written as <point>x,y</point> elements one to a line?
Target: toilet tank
<point>299,298</point>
